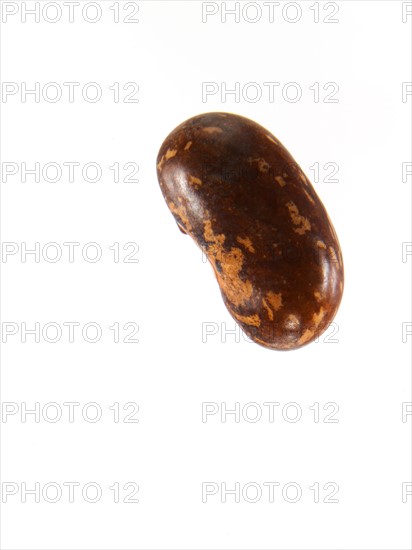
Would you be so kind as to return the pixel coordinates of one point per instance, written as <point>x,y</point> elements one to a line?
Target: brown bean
<point>235,189</point>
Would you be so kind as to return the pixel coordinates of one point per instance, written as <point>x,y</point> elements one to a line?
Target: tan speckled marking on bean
<point>193,180</point>
<point>306,336</point>
<point>253,320</point>
<point>231,262</point>
<point>280,181</point>
<point>317,317</point>
<point>308,196</point>
<point>274,299</point>
<point>303,177</point>
<point>181,212</point>
<point>210,235</point>
<point>247,243</point>
<point>212,129</point>
<point>269,311</point>
<point>263,166</point>
<point>170,153</point>
<point>297,219</point>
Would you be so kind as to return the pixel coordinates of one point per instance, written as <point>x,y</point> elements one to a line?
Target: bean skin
<point>236,190</point>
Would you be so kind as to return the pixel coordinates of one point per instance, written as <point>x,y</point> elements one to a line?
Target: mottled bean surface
<point>235,189</point>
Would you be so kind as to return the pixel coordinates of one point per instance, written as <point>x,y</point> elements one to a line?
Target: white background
<point>171,292</point>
